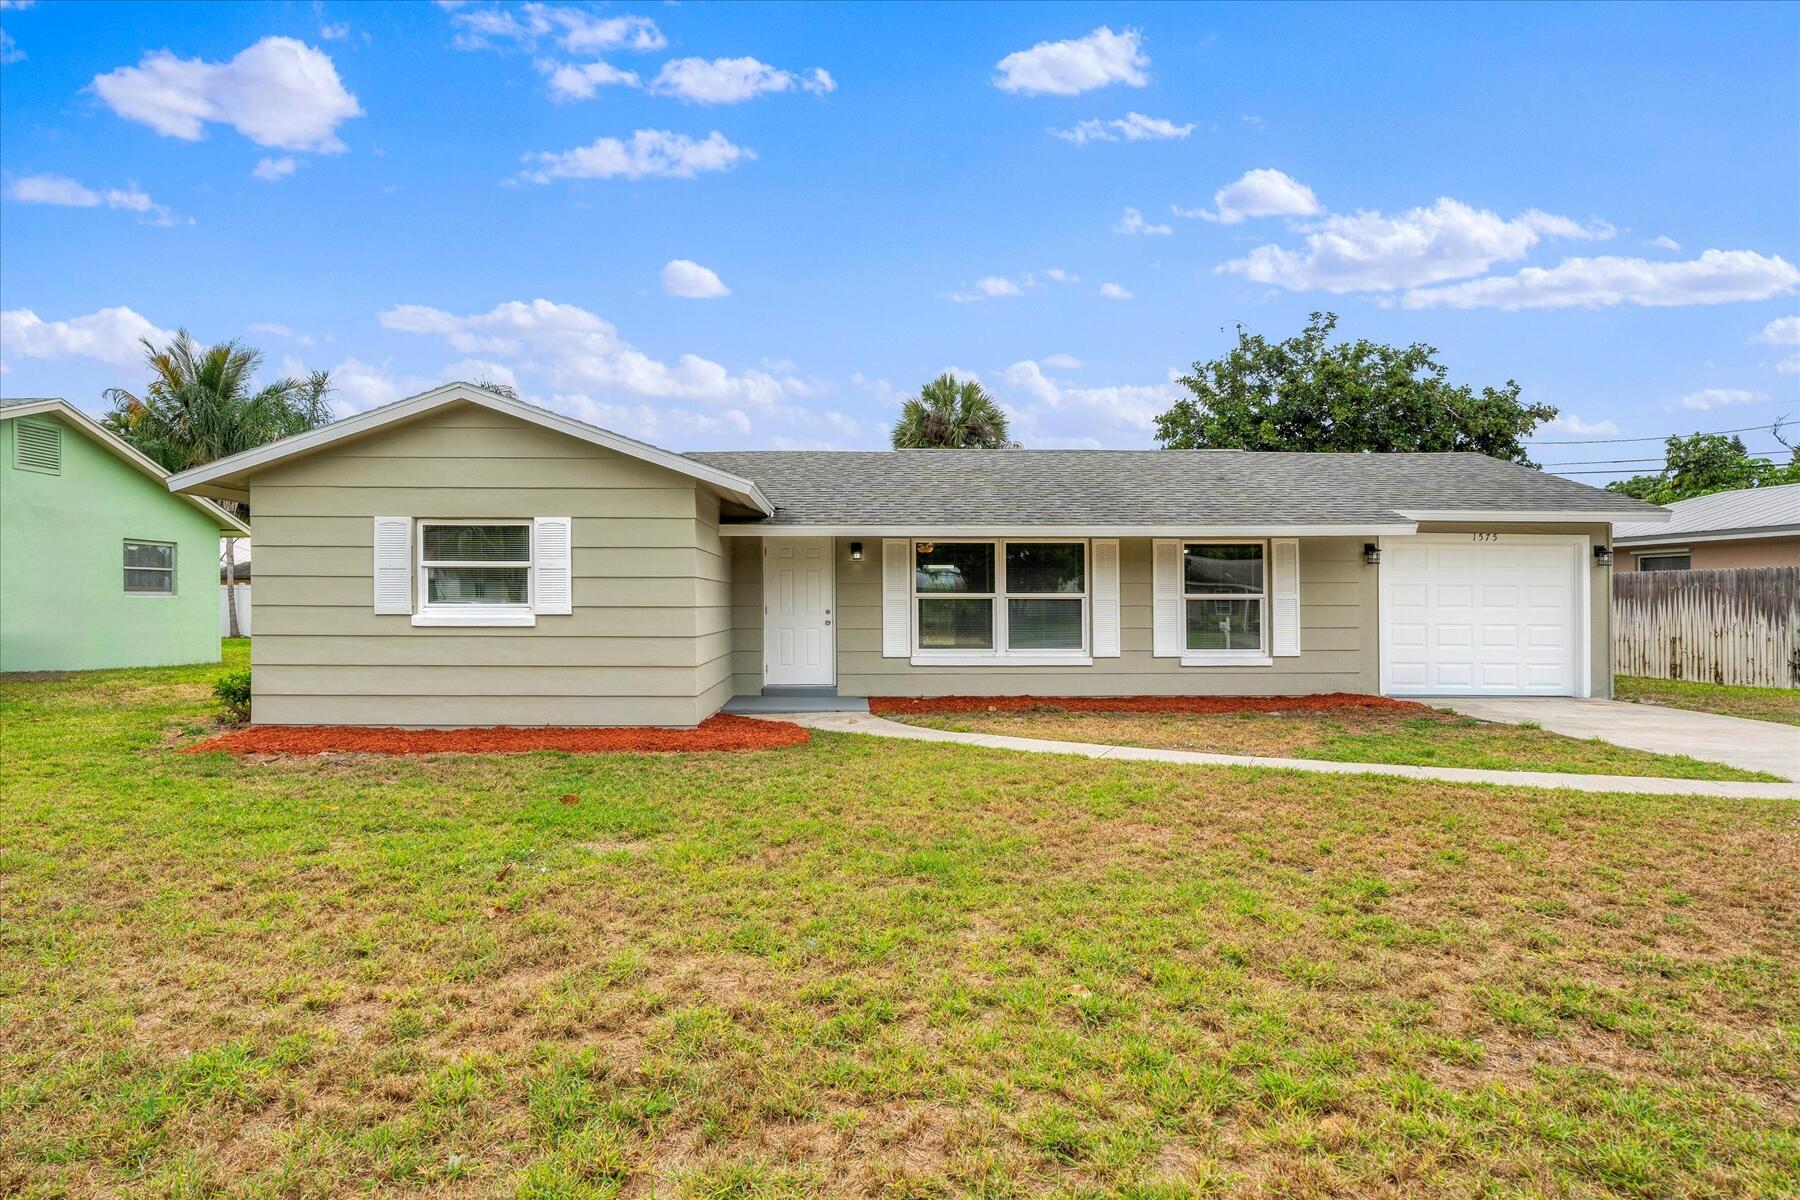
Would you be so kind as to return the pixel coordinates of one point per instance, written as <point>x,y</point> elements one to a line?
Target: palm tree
<point>199,407</point>
<point>951,414</point>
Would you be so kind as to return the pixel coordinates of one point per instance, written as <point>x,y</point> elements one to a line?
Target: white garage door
<point>1481,615</point>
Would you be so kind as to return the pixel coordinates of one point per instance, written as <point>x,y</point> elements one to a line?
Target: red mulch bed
<point>1325,702</point>
<point>721,732</point>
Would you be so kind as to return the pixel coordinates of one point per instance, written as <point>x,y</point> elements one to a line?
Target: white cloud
<point>1057,413</point>
<point>649,152</point>
<point>1663,242</point>
<point>334,33</point>
<point>1113,291</point>
<point>1370,251</point>
<point>691,281</point>
<point>1716,277</point>
<point>109,335</point>
<point>9,50</point>
<point>1782,331</point>
<point>582,81</point>
<point>279,92</point>
<point>733,80</point>
<point>357,386</point>
<point>1062,362</point>
<point>271,169</point>
<point>1710,398</point>
<point>1574,424</point>
<point>16,5</point>
<point>990,287</point>
<point>574,29</point>
<point>1132,127</point>
<point>1263,192</point>
<point>72,193</point>
<point>655,423</point>
<point>1133,223</point>
<point>579,352</point>
<point>274,329</point>
<point>1077,65</point>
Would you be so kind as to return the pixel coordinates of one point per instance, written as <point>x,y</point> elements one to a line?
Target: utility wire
<point>1661,437</point>
<point>1596,462</point>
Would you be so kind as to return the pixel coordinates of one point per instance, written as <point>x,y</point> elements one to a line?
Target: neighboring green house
<point>100,566</point>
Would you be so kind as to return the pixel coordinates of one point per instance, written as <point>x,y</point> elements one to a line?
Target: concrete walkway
<point>881,727</point>
<point>1734,741</point>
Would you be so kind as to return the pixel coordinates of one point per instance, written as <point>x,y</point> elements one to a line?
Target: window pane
<point>478,543</point>
<point>954,566</point>
<point>149,554</point>
<point>1043,624</point>
<point>1665,562</point>
<point>1224,624</point>
<point>158,582</point>
<point>956,624</point>
<point>477,585</point>
<point>1044,567</point>
<point>1228,568</point>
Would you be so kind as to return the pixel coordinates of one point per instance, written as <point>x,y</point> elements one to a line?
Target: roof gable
<point>228,478</point>
<point>119,448</point>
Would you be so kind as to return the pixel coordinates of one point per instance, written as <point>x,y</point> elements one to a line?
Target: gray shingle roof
<point>1772,509</point>
<point>943,488</point>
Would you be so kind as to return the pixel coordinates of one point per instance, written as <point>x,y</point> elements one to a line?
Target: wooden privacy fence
<point>1739,626</point>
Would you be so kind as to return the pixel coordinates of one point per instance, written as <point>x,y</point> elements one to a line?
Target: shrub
<point>233,691</point>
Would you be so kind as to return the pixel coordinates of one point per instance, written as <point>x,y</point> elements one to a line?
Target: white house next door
<point>799,637</point>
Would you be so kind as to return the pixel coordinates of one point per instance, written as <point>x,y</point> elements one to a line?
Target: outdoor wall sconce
<point>1372,554</point>
<point>1603,556</point>
<point>855,551</point>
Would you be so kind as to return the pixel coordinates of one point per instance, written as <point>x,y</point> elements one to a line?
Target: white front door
<point>1483,614</point>
<point>799,643</point>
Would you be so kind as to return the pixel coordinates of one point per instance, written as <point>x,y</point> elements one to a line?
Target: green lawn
<point>1759,704</point>
<point>1426,739</point>
<point>867,968</point>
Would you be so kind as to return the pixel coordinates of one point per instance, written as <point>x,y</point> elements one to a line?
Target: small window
<point>475,563</point>
<point>1223,591</point>
<point>37,446</point>
<point>1665,562</point>
<point>149,569</point>
<point>955,585</point>
<point>1046,589</point>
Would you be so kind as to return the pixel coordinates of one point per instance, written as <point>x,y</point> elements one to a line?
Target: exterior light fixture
<point>1603,556</point>
<point>1372,554</point>
<point>855,551</point>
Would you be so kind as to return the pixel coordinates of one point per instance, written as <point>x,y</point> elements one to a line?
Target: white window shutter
<point>1106,598</point>
<point>1285,590</point>
<point>896,598</point>
<point>553,555</point>
<point>393,565</point>
<point>1166,623</point>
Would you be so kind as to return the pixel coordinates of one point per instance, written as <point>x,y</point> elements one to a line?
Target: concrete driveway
<point>1749,745</point>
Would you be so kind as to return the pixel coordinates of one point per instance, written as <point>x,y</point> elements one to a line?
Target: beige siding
<point>746,614</point>
<point>650,638</point>
<point>1337,621</point>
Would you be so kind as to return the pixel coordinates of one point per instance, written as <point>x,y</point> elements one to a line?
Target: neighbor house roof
<point>1182,491</point>
<point>1723,516</point>
<point>118,447</point>
<point>228,478</point>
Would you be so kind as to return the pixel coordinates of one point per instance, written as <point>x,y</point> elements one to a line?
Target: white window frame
<point>169,570</point>
<point>1644,556</point>
<point>1001,654</point>
<point>1263,656</point>
<point>473,614</point>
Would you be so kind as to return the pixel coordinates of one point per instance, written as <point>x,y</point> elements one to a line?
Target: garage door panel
<point>1481,618</point>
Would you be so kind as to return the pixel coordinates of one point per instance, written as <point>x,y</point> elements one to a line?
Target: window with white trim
<point>149,568</point>
<point>1000,598</point>
<point>1665,562</point>
<point>1224,597</point>
<point>466,565</point>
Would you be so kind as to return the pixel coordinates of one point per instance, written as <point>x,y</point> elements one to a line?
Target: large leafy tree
<point>1704,463</point>
<point>202,404</point>
<point>1309,393</point>
<point>951,414</point>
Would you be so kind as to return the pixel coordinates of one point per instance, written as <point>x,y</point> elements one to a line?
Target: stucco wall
<point>1720,556</point>
<point>63,604</point>
<point>648,642</point>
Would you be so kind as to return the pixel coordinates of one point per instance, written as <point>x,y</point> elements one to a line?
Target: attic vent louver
<point>37,446</point>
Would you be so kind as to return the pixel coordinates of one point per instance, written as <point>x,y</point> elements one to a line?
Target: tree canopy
<point>1704,463</point>
<point>1308,393</point>
<point>951,414</point>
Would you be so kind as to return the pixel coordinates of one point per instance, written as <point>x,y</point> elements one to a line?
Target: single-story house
<point>1751,527</point>
<point>102,566</point>
<point>459,558</point>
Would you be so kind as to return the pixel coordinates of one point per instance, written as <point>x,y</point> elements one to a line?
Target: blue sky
<point>759,226</point>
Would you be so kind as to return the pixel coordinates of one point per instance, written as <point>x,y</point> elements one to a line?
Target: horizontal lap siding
<point>649,639</point>
<point>746,614</point>
<point>1337,621</point>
